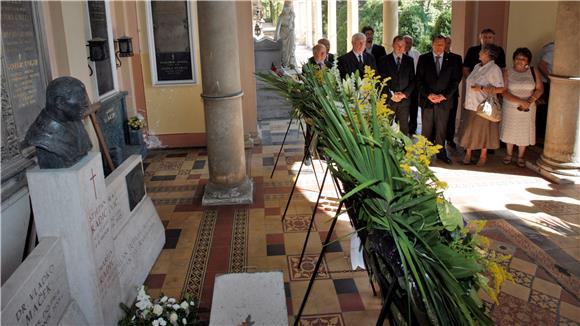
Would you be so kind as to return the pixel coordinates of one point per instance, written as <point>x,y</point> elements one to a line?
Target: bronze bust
<point>58,132</point>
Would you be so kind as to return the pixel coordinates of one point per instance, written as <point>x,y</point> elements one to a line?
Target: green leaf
<point>450,216</point>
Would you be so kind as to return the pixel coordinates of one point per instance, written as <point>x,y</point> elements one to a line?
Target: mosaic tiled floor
<point>535,221</point>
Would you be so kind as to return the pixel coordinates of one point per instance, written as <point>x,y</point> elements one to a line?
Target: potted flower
<point>160,312</point>
<point>136,124</point>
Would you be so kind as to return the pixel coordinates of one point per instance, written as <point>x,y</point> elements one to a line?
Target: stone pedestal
<point>561,153</point>
<point>110,231</point>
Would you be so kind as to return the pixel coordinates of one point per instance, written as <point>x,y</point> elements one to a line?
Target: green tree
<point>443,24</point>
<point>413,21</point>
<point>371,14</point>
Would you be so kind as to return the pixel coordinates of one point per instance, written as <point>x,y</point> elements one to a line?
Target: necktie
<point>398,63</point>
<point>360,59</point>
<point>438,64</point>
<point>321,65</point>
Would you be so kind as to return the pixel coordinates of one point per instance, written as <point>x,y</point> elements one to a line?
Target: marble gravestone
<point>109,243</point>
<point>270,105</point>
<point>38,292</point>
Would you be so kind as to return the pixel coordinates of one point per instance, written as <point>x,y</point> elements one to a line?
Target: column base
<point>215,195</point>
<point>568,169</point>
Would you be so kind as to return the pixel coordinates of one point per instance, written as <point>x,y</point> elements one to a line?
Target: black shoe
<point>445,159</point>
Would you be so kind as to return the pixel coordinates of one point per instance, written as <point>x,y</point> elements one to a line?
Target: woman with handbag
<point>523,89</point>
<point>482,85</point>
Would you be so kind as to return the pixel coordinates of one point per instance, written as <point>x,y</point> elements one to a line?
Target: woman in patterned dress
<point>518,125</point>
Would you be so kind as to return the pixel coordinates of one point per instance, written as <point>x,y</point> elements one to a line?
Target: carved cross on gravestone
<point>92,178</point>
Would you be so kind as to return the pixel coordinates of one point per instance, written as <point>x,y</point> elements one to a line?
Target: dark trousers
<point>413,112</point>
<point>402,116</point>
<point>434,124</point>
<point>542,115</point>
<point>451,122</point>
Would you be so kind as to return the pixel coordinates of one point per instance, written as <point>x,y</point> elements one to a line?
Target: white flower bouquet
<point>162,311</point>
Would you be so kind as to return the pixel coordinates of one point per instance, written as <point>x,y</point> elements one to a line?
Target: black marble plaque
<point>172,40</point>
<point>112,117</point>
<point>135,186</point>
<point>98,22</point>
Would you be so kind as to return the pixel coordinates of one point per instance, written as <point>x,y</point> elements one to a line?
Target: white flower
<point>173,317</point>
<point>159,322</point>
<point>163,299</point>
<point>157,310</point>
<point>184,305</point>
<point>184,321</point>
<point>171,300</point>
<point>176,307</point>
<point>192,304</point>
<point>143,304</point>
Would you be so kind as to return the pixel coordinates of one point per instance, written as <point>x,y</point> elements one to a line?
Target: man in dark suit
<point>378,51</point>
<point>329,56</point>
<point>487,36</point>
<point>401,69</point>
<point>318,57</point>
<point>458,63</point>
<point>437,82</point>
<point>357,58</point>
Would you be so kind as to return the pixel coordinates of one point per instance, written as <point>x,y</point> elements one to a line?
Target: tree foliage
<point>272,9</point>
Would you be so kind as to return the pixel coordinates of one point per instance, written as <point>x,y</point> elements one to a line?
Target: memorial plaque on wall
<point>98,18</point>
<point>171,37</point>
<point>24,78</point>
<point>22,63</point>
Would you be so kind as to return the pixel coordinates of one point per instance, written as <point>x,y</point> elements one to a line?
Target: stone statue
<point>58,132</point>
<point>285,33</point>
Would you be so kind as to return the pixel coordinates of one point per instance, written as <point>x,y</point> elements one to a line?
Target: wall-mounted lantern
<point>98,49</point>
<point>124,48</point>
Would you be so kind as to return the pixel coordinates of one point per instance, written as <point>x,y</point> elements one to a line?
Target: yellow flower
<point>441,184</point>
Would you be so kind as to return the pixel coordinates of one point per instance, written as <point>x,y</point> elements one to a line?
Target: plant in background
<point>392,192</point>
<point>136,122</point>
<point>159,312</point>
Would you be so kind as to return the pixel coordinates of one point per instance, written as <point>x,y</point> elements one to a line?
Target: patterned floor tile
<point>521,277</point>
<point>322,320</point>
<point>545,301</point>
<point>298,223</point>
<point>513,311</point>
<point>304,271</point>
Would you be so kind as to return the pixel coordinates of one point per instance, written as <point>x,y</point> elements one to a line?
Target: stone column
<point>331,33</point>
<point>351,22</point>
<point>561,153</point>
<point>222,97</point>
<point>390,23</point>
<point>317,20</point>
<point>309,24</point>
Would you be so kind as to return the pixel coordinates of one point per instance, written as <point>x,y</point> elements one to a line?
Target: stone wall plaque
<point>24,75</point>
